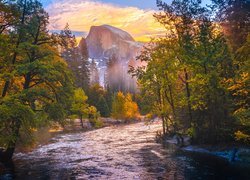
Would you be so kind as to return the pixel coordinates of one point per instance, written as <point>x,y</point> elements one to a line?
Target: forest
<point>195,78</point>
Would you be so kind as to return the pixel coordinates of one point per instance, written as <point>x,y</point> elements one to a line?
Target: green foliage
<point>83,110</point>
<point>99,98</point>
<point>76,57</point>
<point>13,114</point>
<point>102,106</point>
<point>35,83</point>
<point>94,117</point>
<point>193,80</point>
<point>79,105</point>
<point>118,109</point>
<point>239,88</point>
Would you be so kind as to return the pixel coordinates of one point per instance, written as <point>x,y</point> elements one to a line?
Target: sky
<point>144,4</point>
<point>133,16</point>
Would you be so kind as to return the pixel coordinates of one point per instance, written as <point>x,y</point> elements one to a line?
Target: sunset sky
<point>133,16</point>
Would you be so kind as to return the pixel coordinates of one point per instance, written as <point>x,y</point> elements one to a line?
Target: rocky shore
<point>231,153</point>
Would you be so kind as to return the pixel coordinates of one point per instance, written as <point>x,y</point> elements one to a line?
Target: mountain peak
<point>114,30</point>
<point>105,40</point>
<point>125,35</point>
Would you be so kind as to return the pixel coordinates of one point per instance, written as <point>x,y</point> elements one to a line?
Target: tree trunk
<point>171,102</point>
<point>81,122</point>
<point>5,89</point>
<point>166,125</point>
<point>188,97</point>
<point>163,125</point>
<point>6,155</point>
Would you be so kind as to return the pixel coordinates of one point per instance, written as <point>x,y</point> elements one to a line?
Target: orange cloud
<point>82,14</point>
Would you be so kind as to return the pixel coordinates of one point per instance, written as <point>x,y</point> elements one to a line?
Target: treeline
<point>197,76</point>
<point>118,105</point>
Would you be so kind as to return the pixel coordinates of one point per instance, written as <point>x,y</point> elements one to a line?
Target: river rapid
<point>119,152</point>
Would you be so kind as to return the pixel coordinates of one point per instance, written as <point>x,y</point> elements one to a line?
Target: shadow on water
<point>171,162</point>
<point>7,170</point>
<point>206,166</point>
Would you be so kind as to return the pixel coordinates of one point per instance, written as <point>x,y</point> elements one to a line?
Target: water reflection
<point>119,152</point>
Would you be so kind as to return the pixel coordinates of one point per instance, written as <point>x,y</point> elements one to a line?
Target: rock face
<point>105,41</point>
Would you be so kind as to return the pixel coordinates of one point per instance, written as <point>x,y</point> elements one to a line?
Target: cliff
<point>105,41</point>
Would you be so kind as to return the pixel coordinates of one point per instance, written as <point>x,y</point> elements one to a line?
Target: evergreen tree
<point>102,107</point>
<point>70,52</point>
<point>94,94</point>
<point>115,75</point>
<point>94,73</point>
<point>233,16</point>
<point>109,97</point>
<point>9,16</point>
<point>76,57</point>
<point>84,77</point>
<point>98,97</point>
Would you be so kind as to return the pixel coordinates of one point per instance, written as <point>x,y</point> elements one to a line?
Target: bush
<point>240,136</point>
<point>94,117</point>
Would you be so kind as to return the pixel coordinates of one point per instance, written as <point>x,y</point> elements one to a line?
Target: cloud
<point>82,14</point>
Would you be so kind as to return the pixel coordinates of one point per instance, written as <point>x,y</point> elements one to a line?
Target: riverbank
<point>232,153</point>
<point>238,154</point>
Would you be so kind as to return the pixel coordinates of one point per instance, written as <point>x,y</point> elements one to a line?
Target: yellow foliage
<point>123,107</point>
<point>92,110</point>
<point>240,136</point>
<point>130,107</point>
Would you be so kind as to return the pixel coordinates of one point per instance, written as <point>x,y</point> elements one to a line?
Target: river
<point>118,152</point>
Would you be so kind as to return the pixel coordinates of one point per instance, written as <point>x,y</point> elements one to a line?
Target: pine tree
<point>233,16</point>
<point>70,52</point>
<point>94,73</point>
<point>115,75</point>
<point>9,16</point>
<point>84,77</point>
<point>102,107</point>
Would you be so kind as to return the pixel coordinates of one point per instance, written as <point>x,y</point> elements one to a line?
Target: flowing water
<point>118,152</point>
